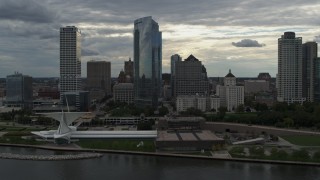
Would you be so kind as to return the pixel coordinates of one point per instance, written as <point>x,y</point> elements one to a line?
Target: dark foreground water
<point>134,167</point>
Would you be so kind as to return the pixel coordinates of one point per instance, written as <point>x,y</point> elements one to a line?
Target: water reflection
<point>119,166</point>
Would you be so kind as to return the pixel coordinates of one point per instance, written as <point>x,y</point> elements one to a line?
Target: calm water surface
<point>136,167</point>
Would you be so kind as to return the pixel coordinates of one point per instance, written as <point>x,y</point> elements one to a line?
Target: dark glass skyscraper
<point>147,61</point>
<point>19,91</point>
<point>309,57</point>
<point>317,81</point>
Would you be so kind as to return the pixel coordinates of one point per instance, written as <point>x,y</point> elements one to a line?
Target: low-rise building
<point>185,134</point>
<point>255,86</point>
<point>231,95</point>
<point>203,103</point>
<point>123,92</point>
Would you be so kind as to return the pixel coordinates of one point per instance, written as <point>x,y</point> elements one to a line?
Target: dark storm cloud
<point>30,28</point>
<point>203,12</point>
<point>247,43</point>
<point>89,52</point>
<point>26,10</point>
<point>108,31</point>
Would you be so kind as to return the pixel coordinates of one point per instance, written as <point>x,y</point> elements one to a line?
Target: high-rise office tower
<point>309,57</point>
<point>264,76</point>
<point>190,77</point>
<point>317,81</point>
<point>99,75</point>
<point>19,91</point>
<point>147,62</point>
<point>174,58</point>
<point>70,62</point>
<point>128,68</point>
<point>290,68</point>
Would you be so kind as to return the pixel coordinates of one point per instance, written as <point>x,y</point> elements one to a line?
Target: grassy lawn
<point>303,140</point>
<point>118,144</point>
<point>19,140</point>
<point>239,115</point>
<point>25,128</point>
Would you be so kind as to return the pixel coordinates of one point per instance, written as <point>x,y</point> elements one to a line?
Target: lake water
<point>137,167</point>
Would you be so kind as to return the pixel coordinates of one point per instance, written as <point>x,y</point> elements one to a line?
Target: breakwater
<point>50,157</point>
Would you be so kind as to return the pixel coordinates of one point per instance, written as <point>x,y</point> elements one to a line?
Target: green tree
<point>144,125</point>
<point>316,156</point>
<point>256,151</point>
<point>280,106</point>
<point>301,155</point>
<point>261,107</point>
<point>222,112</point>
<point>149,111</point>
<point>270,117</point>
<point>288,122</point>
<point>248,101</point>
<point>192,112</point>
<point>240,108</point>
<point>237,151</point>
<point>278,154</point>
<point>163,111</point>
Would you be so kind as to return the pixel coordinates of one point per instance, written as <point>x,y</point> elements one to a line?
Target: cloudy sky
<point>224,34</point>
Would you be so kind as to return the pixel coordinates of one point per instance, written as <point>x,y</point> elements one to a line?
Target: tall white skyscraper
<point>70,62</point>
<point>290,68</point>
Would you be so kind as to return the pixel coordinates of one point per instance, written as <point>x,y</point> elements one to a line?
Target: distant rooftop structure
<point>191,58</point>
<point>264,76</point>
<point>229,74</point>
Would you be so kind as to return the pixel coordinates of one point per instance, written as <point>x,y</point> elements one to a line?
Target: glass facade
<point>147,61</point>
<point>19,90</point>
<point>317,81</point>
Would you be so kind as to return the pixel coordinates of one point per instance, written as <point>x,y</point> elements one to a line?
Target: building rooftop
<point>204,135</point>
<point>191,58</point>
<point>229,74</point>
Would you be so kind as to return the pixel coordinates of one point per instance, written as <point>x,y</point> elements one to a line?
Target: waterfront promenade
<point>243,128</point>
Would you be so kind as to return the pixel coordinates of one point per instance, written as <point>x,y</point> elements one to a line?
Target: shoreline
<point>161,154</point>
<point>50,157</point>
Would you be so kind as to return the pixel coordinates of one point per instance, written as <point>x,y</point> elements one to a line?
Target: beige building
<point>99,76</point>
<point>214,102</point>
<point>123,92</point>
<point>231,95</point>
<point>203,103</point>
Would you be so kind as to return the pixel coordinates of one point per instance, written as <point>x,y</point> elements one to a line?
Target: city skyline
<point>237,35</point>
